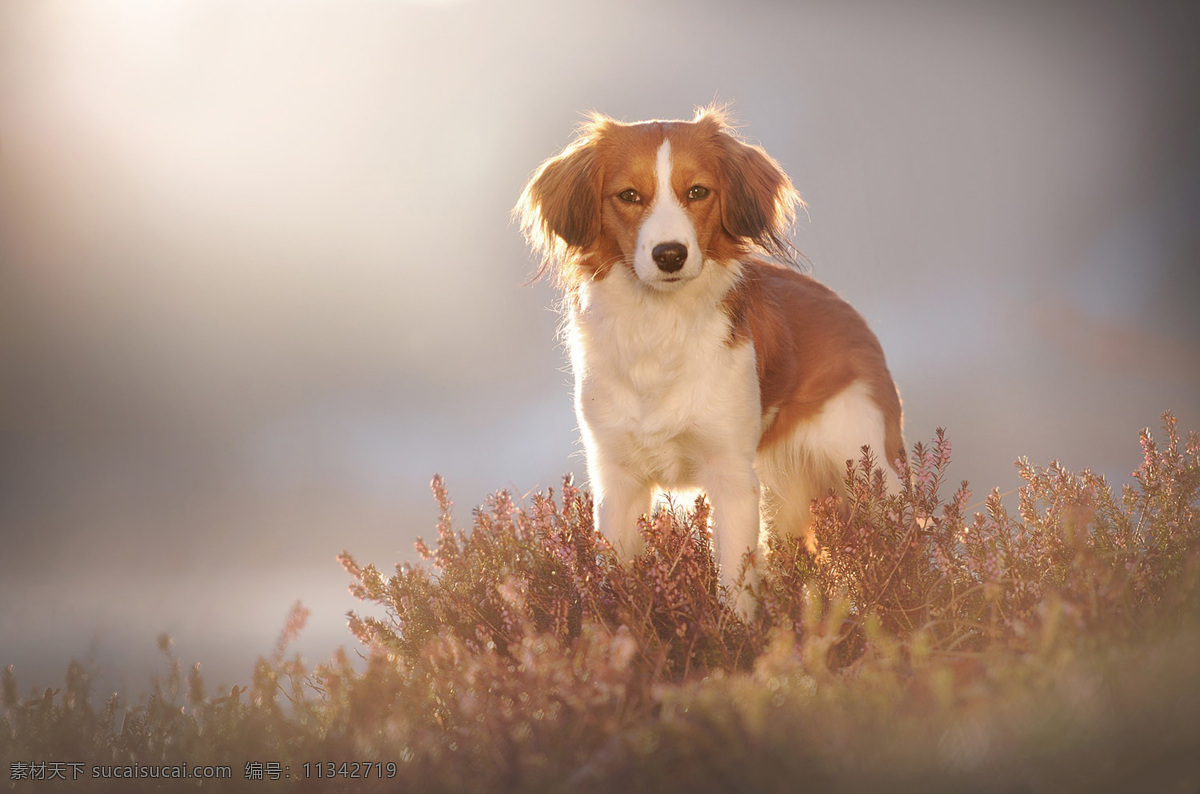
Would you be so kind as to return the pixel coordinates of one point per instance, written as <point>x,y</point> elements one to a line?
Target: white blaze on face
<point>666,223</point>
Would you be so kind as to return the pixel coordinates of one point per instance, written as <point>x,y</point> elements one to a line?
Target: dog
<point>702,358</point>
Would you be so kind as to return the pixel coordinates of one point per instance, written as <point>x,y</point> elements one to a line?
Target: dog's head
<point>663,198</point>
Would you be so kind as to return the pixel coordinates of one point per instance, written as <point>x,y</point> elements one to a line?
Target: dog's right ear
<point>559,209</point>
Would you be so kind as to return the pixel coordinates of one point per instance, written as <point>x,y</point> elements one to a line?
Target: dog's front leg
<point>621,498</point>
<point>733,493</point>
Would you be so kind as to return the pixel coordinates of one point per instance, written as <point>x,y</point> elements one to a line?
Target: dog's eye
<point>697,192</point>
<point>630,196</point>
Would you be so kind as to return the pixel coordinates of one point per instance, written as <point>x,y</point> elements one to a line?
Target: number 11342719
<point>349,769</point>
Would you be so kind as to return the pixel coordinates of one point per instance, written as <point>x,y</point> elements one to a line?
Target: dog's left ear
<point>559,209</point>
<point>758,201</point>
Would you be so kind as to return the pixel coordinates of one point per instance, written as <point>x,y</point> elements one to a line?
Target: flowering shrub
<point>922,647</point>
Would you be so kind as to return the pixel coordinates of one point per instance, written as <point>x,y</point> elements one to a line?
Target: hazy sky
<point>258,280</point>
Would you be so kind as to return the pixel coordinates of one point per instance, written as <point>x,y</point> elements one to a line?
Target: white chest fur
<point>659,392</point>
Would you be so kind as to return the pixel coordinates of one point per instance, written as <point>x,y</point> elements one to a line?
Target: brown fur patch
<point>810,344</point>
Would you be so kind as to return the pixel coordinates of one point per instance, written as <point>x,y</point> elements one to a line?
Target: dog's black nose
<point>670,256</point>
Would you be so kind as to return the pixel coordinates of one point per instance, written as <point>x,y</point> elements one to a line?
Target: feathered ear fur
<point>559,209</point>
<point>758,201</point>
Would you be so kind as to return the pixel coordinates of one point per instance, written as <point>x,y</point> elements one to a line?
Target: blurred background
<point>258,281</point>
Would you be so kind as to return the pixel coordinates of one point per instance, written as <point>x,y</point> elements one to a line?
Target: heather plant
<point>906,592</point>
<point>922,646</point>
